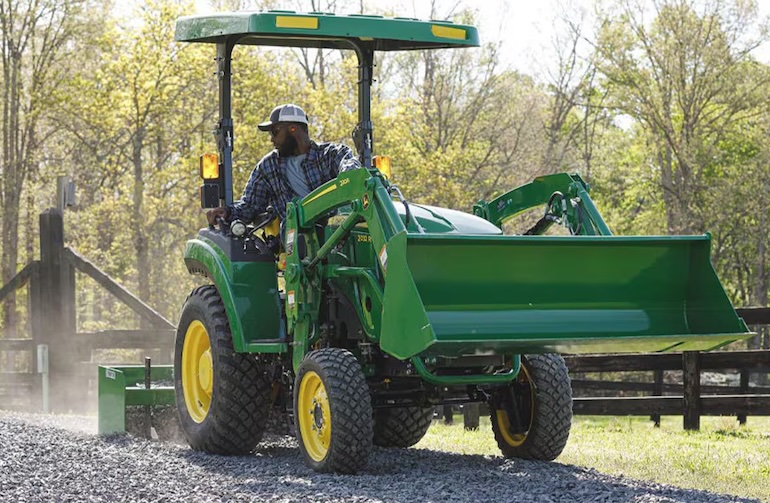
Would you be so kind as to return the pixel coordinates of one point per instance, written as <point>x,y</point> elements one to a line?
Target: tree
<point>461,129</point>
<point>136,118</point>
<point>685,77</point>
<point>565,84</point>
<point>37,49</point>
<point>577,114</point>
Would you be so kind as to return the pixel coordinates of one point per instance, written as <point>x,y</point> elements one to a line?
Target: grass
<point>723,457</point>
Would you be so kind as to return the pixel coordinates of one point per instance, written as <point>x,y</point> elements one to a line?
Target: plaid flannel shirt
<point>268,184</point>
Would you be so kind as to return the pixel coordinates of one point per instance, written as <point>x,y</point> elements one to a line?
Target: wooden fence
<point>689,399</point>
<point>53,324</point>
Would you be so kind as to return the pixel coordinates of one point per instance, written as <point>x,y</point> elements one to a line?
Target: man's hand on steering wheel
<point>214,214</point>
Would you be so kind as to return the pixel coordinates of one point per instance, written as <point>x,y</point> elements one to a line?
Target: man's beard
<point>289,147</point>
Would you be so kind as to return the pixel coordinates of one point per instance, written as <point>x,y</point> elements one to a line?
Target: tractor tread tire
<point>401,426</point>
<point>241,396</point>
<point>552,420</point>
<point>350,406</point>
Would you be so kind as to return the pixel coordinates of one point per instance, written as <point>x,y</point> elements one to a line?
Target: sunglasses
<point>275,131</point>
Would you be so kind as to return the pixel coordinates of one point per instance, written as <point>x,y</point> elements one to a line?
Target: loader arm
<point>567,200</point>
<point>391,282</point>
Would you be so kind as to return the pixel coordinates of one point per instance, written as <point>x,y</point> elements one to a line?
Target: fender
<point>249,293</point>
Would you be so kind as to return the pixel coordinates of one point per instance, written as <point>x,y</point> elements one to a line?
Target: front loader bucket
<point>465,295</point>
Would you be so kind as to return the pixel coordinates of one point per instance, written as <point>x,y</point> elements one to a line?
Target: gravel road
<point>59,458</point>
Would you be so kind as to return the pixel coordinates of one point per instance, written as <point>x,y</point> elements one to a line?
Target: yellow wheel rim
<point>315,418</point>
<point>197,371</point>
<point>516,439</point>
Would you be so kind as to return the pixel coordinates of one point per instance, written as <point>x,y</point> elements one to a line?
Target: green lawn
<point>722,457</point>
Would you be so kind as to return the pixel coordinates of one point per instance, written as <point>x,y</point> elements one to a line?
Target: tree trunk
<point>11,171</point>
<point>137,219</point>
<point>759,291</point>
<point>667,184</point>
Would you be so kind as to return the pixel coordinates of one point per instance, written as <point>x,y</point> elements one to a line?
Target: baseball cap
<point>284,113</point>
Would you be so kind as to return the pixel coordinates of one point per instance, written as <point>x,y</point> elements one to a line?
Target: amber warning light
<point>382,163</point>
<point>209,167</point>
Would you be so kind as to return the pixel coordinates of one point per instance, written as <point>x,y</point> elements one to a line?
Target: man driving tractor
<point>296,166</point>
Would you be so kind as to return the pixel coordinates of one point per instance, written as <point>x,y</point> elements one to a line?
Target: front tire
<point>332,411</point>
<point>222,396</point>
<point>542,395</point>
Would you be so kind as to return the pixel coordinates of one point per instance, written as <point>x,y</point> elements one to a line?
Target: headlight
<point>237,228</point>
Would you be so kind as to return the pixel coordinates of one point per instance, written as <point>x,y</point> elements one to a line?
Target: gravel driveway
<point>59,458</point>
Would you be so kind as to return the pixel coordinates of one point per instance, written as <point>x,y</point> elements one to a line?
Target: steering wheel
<point>263,219</point>
<point>265,243</point>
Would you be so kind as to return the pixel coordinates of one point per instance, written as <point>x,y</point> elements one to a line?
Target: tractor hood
<point>433,219</point>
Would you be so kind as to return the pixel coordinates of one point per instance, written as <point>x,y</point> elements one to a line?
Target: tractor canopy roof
<point>325,30</point>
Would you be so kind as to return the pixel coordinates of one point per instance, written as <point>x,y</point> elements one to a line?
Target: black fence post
<point>471,416</point>
<point>448,419</point>
<point>657,390</point>
<point>691,381</point>
<point>744,387</point>
<point>36,316</point>
<point>56,313</point>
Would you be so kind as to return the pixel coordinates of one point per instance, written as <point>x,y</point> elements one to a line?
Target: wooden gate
<point>53,325</point>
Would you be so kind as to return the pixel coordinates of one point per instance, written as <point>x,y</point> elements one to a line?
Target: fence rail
<point>693,400</point>
<point>132,301</point>
<point>19,280</point>
<point>755,315</point>
<point>709,405</point>
<point>128,339</point>
<point>17,344</point>
<point>756,359</point>
<point>581,385</point>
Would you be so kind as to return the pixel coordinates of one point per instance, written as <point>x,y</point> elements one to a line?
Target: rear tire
<point>332,411</point>
<point>545,406</point>
<point>402,426</point>
<point>222,396</point>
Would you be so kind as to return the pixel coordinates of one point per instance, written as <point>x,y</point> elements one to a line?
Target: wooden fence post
<point>691,381</point>
<point>36,326</point>
<point>744,386</point>
<point>56,294</point>
<point>657,390</point>
<point>471,416</point>
<point>448,419</point>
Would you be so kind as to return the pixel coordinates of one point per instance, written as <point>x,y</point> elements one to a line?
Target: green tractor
<point>359,331</point>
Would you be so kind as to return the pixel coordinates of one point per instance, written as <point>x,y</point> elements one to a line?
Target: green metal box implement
<point>126,394</point>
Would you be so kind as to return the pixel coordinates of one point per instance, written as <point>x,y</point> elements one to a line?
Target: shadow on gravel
<point>408,474</point>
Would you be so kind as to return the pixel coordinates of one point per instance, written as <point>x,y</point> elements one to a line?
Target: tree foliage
<point>38,45</point>
<point>687,76</point>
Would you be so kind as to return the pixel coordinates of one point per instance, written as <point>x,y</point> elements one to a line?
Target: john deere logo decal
<point>365,201</point>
